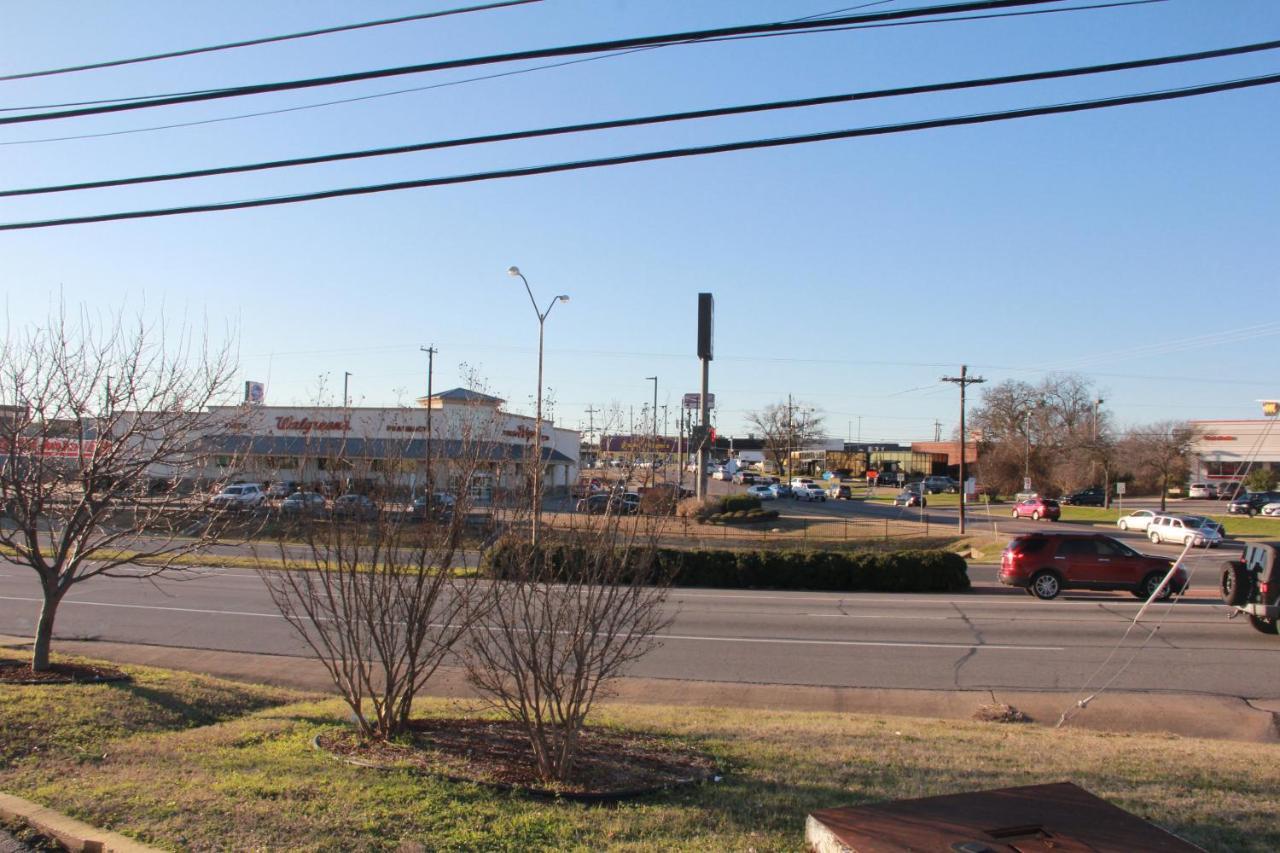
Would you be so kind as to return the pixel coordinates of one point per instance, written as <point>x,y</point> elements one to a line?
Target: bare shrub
<point>563,621</point>
<point>388,594</point>
<point>95,412</point>
<point>999,712</point>
<point>698,509</point>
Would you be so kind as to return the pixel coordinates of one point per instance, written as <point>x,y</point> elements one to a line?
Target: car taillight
<point>1265,590</point>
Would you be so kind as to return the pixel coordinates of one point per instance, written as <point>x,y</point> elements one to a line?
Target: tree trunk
<point>44,631</point>
<point>1164,491</point>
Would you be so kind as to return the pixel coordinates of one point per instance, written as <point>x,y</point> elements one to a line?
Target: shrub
<point>698,509</point>
<point>823,571</point>
<point>659,500</point>
<point>737,503</point>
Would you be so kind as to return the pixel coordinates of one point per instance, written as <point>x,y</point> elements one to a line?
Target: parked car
<point>1184,530</point>
<point>937,484</point>
<point>1251,503</point>
<point>282,489</point>
<point>1272,508</point>
<point>780,490</point>
<point>597,504</point>
<point>1085,497</point>
<point>1137,520</point>
<point>239,496</point>
<point>354,506</point>
<point>629,504</point>
<point>435,505</point>
<point>585,487</point>
<point>1037,508</point>
<point>910,497</point>
<point>764,493</point>
<point>840,491</point>
<point>809,492</point>
<point>1202,491</point>
<point>1044,564</point>
<point>301,504</point>
<point>720,474</point>
<point>744,478</point>
<point>1251,585</point>
<point>1229,491</point>
<point>797,482</point>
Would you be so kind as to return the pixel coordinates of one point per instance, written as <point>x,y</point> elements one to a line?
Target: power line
<point>512,73</point>
<point>116,63</point>
<point>668,154</point>
<point>716,112</point>
<point>539,53</point>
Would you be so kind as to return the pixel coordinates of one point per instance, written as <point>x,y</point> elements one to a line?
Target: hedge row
<point>824,571</point>
<point>737,503</point>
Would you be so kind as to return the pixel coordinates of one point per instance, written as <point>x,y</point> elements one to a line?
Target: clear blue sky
<point>1137,245</point>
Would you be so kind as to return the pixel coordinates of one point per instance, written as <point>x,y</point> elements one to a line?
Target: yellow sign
<point>1271,408</point>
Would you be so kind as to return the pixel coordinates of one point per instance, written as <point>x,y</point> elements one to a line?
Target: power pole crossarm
<point>964,381</point>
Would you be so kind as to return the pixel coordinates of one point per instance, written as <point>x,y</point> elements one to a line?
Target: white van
<point>1203,491</point>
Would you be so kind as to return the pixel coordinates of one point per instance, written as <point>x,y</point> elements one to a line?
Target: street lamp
<point>537,437</point>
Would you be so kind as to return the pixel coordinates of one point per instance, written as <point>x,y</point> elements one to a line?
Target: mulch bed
<point>20,672</point>
<point>611,765</point>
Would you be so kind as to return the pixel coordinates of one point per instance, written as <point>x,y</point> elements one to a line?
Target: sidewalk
<point>1190,715</point>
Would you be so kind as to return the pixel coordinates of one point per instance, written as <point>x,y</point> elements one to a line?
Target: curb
<point>76,836</point>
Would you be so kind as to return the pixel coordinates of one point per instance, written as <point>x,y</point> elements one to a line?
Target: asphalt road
<point>990,638</point>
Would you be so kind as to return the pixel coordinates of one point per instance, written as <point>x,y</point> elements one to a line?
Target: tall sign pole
<point>963,380</point>
<point>706,323</point>
<point>431,361</point>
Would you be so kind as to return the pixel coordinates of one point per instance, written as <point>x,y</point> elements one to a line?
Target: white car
<point>1137,520</point>
<point>809,492</point>
<point>764,493</point>
<point>801,482</point>
<point>1202,491</point>
<point>239,496</point>
<point>1272,508</point>
<point>1184,530</point>
<point>721,475</point>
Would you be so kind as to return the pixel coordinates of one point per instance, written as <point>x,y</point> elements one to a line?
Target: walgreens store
<point>332,449</point>
<point>1226,451</point>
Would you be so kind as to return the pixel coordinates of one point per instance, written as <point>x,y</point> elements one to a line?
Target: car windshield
<point>234,490</point>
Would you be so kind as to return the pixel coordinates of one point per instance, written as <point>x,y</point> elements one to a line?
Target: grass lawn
<point>182,761</point>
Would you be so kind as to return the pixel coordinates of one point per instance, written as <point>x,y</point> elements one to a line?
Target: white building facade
<point>361,449</point>
<point>1227,451</point>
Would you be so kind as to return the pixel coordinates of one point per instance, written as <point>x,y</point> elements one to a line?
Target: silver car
<point>1185,530</point>
<point>1137,520</point>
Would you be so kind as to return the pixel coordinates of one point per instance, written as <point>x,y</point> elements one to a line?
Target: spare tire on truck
<point>1234,583</point>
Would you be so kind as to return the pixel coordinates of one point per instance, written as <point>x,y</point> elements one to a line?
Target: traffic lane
<point>895,641</point>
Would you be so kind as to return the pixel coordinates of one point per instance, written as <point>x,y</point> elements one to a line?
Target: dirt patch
<point>17,672</point>
<point>611,765</point>
<point>1000,713</point>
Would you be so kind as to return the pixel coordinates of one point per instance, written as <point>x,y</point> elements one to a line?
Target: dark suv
<point>1251,503</point>
<point>1085,497</point>
<point>1252,586</point>
<point>1044,564</point>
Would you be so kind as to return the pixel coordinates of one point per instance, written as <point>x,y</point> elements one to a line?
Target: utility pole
<point>591,423</point>
<point>937,431</point>
<point>346,399</point>
<point>1097,448</point>
<point>964,381</point>
<point>431,360</point>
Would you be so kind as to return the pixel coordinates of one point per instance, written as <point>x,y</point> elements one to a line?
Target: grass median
<point>184,761</point>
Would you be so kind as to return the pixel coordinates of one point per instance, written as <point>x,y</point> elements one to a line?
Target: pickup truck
<point>1251,585</point>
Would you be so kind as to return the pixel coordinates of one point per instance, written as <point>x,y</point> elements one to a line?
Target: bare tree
<point>1159,454</point>
<point>387,593</point>
<point>786,427</point>
<point>565,620</point>
<point>101,430</point>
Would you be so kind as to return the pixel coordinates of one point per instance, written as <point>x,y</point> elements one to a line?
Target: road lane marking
<point>689,637</point>
<point>879,644</point>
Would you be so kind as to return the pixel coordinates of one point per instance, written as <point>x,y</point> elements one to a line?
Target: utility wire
<point>668,154</point>
<point>539,53</point>
<point>116,63</point>
<point>527,70</point>
<point>653,119</point>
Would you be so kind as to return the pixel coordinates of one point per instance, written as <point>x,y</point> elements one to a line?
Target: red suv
<point>1046,563</point>
<point>1037,508</point>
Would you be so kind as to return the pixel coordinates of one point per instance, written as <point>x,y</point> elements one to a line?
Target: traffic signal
<point>713,435</point>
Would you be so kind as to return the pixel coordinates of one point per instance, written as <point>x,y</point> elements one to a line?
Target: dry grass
<point>147,762</point>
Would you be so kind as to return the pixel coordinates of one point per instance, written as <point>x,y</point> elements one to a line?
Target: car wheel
<point>1035,516</point>
<point>1251,512</point>
<point>1266,626</point>
<point>1123,525</point>
<point>1015,513</point>
<point>1154,537</point>
<point>1234,583</point>
<point>1151,582</point>
<point>1045,585</point>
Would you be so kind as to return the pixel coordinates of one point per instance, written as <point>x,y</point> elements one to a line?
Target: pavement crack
<point>967,656</point>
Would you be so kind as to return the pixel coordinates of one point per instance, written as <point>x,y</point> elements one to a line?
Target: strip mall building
<point>1226,451</point>
<point>336,448</point>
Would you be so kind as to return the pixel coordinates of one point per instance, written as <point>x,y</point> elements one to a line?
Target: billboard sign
<point>694,401</point>
<point>254,393</point>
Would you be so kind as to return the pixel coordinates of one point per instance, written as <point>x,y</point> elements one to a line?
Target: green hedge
<point>823,571</point>
<point>738,503</point>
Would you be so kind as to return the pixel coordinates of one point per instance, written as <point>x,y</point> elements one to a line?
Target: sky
<point>1136,246</point>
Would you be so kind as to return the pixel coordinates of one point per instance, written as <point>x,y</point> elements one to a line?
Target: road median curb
<point>75,835</point>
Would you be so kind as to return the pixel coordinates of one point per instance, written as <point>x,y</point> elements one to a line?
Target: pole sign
<point>1119,488</point>
<point>706,325</point>
<point>1026,484</point>
<point>694,401</point>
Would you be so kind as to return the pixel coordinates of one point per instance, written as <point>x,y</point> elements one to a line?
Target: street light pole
<point>537,437</point>
<point>654,434</point>
<point>431,359</point>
